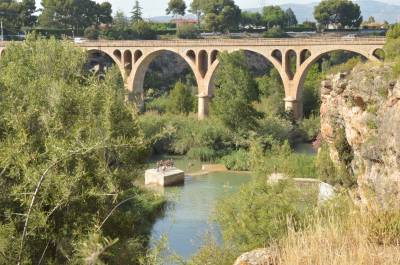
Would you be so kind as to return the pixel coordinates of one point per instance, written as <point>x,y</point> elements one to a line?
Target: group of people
<point>165,164</point>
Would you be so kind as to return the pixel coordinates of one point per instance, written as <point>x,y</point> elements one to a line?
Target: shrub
<point>274,127</point>
<point>187,32</point>
<point>275,32</point>
<point>311,127</point>
<point>143,30</point>
<point>177,134</point>
<point>91,33</point>
<point>204,154</point>
<point>180,99</point>
<point>76,139</point>
<point>237,160</point>
<point>213,253</point>
<point>394,32</point>
<point>281,159</point>
<point>159,104</point>
<point>335,174</point>
<point>258,214</point>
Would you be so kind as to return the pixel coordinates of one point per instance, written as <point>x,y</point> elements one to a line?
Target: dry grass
<point>353,239</point>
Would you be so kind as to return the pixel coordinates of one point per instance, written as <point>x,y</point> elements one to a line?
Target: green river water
<point>187,217</point>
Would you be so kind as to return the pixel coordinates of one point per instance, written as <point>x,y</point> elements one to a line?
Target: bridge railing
<point>233,42</point>
<point>230,42</point>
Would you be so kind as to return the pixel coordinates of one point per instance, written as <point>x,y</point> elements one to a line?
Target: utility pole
<point>2,31</point>
<point>1,24</point>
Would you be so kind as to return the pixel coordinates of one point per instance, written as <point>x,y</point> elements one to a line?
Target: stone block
<point>169,177</point>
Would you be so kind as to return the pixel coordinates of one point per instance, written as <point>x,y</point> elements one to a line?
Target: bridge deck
<point>232,42</point>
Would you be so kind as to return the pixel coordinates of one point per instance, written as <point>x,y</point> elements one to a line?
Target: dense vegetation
<point>71,150</point>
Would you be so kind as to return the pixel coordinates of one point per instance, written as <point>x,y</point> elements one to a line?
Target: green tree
<point>339,13</point>
<point>136,12</point>
<point>370,20</point>
<point>235,93</point>
<point>70,150</point>
<point>120,21</point>
<point>143,30</point>
<point>291,19</point>
<point>251,19</point>
<point>176,7</point>
<point>180,99</point>
<point>17,14</point>
<point>219,15</point>
<point>77,14</point>
<point>196,9</point>
<point>274,16</point>
<point>104,13</point>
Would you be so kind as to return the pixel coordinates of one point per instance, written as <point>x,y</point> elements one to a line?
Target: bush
<point>159,104</point>
<point>237,160</point>
<point>311,127</point>
<point>204,154</point>
<point>258,214</point>
<point>143,30</point>
<point>393,32</point>
<point>180,99</point>
<point>91,33</point>
<point>329,172</point>
<point>275,32</point>
<point>187,32</point>
<point>177,134</point>
<point>76,139</point>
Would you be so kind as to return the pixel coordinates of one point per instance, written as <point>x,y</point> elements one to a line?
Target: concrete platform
<point>172,176</point>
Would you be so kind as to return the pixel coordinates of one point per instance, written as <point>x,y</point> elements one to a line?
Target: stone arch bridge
<point>134,57</point>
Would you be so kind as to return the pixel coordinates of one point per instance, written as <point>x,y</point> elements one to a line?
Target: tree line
<point>212,15</point>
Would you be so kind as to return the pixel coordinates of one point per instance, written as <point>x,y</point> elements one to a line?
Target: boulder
<point>261,256</point>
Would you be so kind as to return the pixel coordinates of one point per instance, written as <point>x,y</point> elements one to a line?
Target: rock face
<point>365,104</point>
<point>261,256</point>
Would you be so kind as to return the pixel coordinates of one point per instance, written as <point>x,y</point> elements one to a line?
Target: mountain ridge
<point>381,11</point>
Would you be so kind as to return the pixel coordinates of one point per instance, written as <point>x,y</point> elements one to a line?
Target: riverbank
<point>214,168</point>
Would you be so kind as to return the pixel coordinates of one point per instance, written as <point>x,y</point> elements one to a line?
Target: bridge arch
<point>294,90</point>
<point>135,84</point>
<point>305,67</point>
<point>114,55</point>
<point>210,77</point>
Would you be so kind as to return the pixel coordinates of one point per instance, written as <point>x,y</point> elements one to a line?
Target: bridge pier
<point>295,106</point>
<point>203,106</point>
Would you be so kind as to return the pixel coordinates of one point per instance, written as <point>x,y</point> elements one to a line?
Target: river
<point>187,217</point>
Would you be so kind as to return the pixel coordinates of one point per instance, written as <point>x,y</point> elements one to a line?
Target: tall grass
<point>356,239</point>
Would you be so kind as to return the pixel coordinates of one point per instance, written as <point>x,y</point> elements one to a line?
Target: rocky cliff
<point>364,104</point>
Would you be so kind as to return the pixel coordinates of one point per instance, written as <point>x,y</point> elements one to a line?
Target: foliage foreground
<point>70,151</point>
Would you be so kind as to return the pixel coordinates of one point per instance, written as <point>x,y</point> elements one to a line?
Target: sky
<point>152,8</point>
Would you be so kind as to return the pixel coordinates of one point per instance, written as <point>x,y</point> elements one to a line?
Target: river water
<point>189,209</point>
<point>190,206</point>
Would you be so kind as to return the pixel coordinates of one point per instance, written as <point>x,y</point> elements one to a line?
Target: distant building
<point>184,21</point>
<point>374,25</point>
